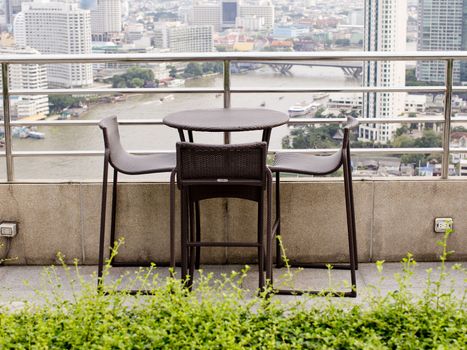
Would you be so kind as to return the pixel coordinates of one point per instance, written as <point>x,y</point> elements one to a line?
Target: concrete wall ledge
<point>393,217</point>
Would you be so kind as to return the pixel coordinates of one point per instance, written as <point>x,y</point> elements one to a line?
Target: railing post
<point>6,123</point>
<point>226,94</point>
<point>447,118</point>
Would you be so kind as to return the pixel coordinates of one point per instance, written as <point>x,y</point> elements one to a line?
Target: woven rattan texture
<point>197,161</point>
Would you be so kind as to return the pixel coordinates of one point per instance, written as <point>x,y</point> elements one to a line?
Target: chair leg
<point>352,210</point>
<point>348,208</point>
<point>198,235</point>
<point>172,222</point>
<point>192,238</point>
<point>279,261</point>
<point>114,212</point>
<point>184,234</point>
<point>261,255</point>
<point>269,236</point>
<point>100,267</point>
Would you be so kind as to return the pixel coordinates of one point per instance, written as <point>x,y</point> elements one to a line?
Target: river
<point>162,137</point>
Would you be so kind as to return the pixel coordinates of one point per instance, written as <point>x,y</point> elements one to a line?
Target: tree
<point>172,71</point>
<point>134,77</point>
<point>413,126</point>
<point>193,69</point>
<point>320,113</point>
<point>402,130</point>
<point>403,141</point>
<point>212,67</point>
<point>59,102</point>
<point>311,137</point>
<point>121,84</point>
<point>137,82</point>
<point>428,140</point>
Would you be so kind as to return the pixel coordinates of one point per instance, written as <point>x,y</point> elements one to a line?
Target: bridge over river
<point>350,68</point>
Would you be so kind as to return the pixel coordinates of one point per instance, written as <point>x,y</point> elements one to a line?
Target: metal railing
<point>227,58</point>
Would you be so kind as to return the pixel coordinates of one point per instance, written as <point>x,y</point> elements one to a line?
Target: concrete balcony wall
<point>393,218</point>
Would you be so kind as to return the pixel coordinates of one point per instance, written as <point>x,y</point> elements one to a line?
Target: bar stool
<point>216,171</point>
<point>306,164</point>
<point>126,163</point>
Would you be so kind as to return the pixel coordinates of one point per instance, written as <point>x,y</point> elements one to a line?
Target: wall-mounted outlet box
<point>443,224</point>
<point>8,229</point>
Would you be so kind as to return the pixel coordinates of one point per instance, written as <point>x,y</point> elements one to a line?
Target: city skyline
<point>121,26</point>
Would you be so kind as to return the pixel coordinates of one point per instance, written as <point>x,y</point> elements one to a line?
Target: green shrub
<point>218,313</point>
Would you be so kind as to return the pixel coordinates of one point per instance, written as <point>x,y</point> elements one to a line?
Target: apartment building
<point>385,30</point>
<point>106,19</point>
<point>182,38</point>
<point>441,27</point>
<point>57,28</point>
<point>27,76</point>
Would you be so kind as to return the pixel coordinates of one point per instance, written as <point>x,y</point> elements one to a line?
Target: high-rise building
<point>106,19</point>
<point>224,14</point>
<point>57,28</point>
<point>265,11</point>
<point>184,38</point>
<point>250,23</point>
<point>229,12</point>
<point>27,76</point>
<point>12,8</point>
<point>385,30</point>
<point>203,15</point>
<point>442,26</point>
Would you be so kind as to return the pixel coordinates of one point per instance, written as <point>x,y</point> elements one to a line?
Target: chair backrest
<point>227,164</point>
<point>112,142</point>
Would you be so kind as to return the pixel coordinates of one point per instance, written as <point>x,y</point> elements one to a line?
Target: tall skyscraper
<point>27,76</point>
<point>106,19</point>
<point>442,26</point>
<point>229,12</point>
<point>385,30</point>
<point>12,8</point>
<point>57,28</point>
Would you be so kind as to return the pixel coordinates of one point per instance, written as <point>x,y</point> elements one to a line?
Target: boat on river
<point>36,135</point>
<point>299,109</point>
<point>23,132</point>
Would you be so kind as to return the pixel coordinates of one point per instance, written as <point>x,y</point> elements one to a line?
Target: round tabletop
<point>225,119</point>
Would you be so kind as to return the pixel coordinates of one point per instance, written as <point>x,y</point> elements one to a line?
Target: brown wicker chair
<point>320,165</point>
<point>216,171</point>
<point>123,162</point>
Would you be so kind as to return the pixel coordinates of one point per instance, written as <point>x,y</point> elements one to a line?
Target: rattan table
<point>225,120</point>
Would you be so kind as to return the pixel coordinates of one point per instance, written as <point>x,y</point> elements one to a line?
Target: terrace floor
<point>21,283</point>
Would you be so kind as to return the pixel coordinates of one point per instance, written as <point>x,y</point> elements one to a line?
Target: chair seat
<point>132,164</point>
<point>307,164</point>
